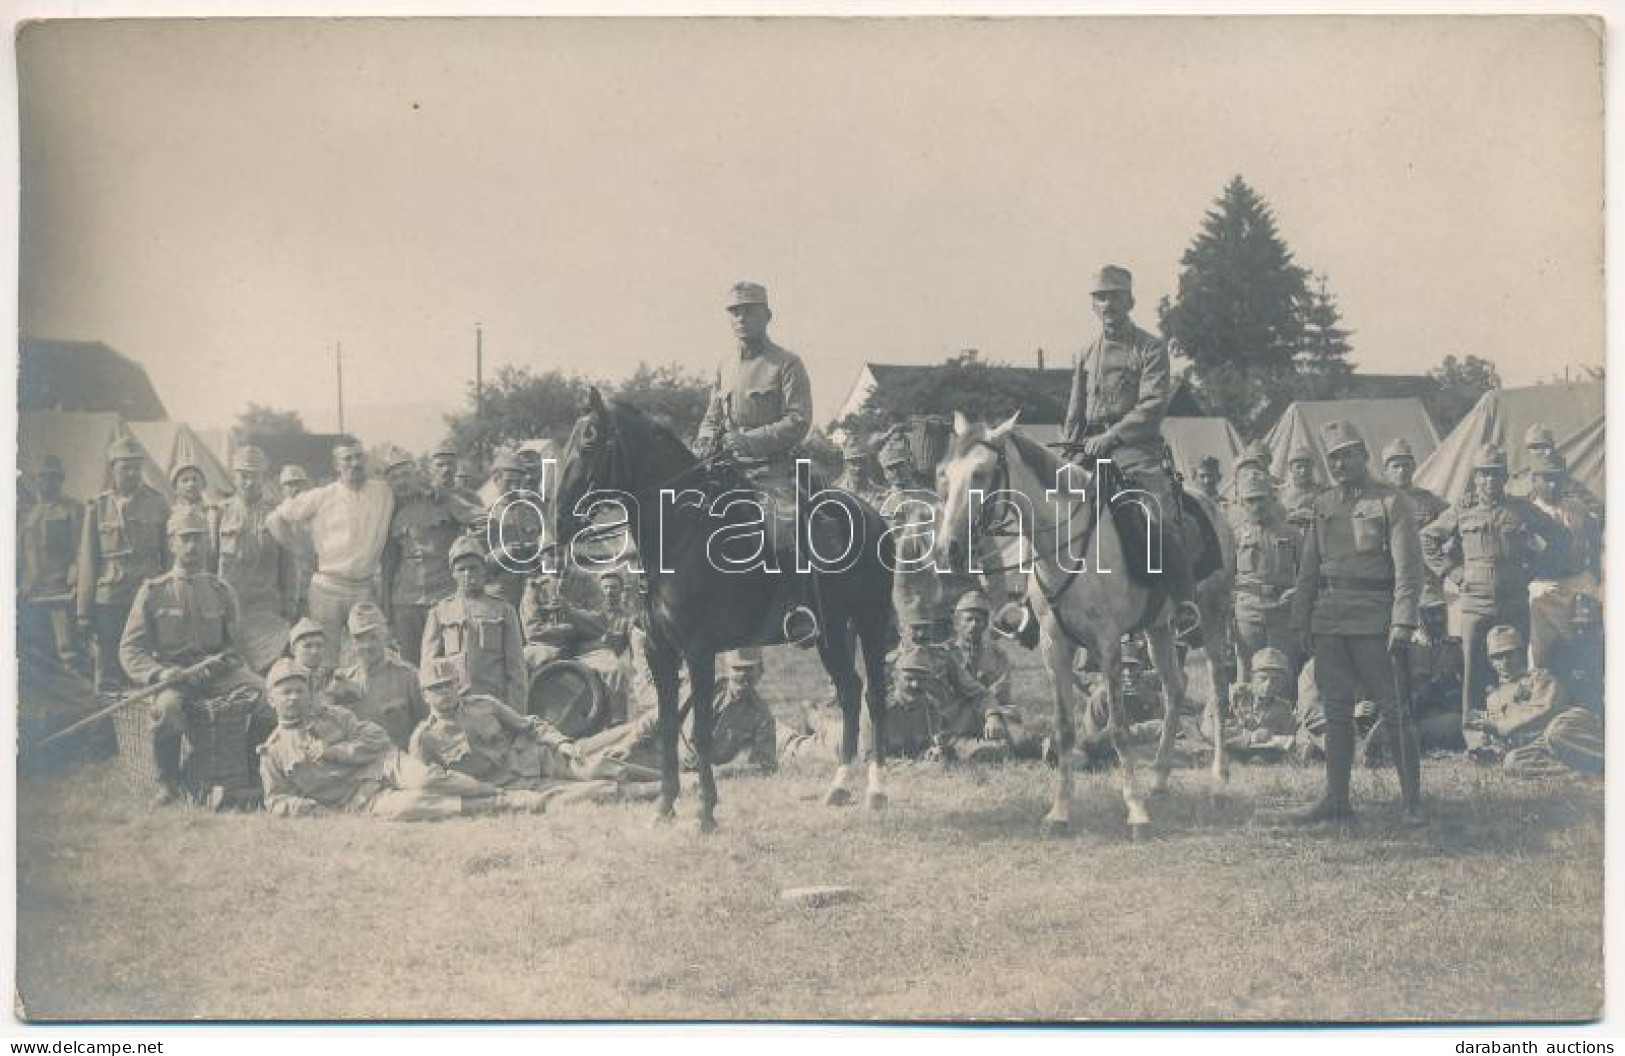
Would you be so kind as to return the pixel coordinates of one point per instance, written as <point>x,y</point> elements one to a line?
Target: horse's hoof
<point>837,797</point>
<point>1139,833</point>
<point>1050,828</point>
<point>878,800</point>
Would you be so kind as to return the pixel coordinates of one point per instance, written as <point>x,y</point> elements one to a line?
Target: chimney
<point>967,356</point>
<point>1040,359</point>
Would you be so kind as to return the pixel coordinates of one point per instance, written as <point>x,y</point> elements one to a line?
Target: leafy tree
<point>1239,314</point>
<point>1457,386</point>
<point>671,395</point>
<point>258,420</point>
<point>519,405</point>
<point>1322,359</point>
<point>965,383</point>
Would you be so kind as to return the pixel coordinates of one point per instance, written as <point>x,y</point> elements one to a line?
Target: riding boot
<point>1334,802</point>
<point>166,758</point>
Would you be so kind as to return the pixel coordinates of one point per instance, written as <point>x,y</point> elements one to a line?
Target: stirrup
<point>800,627</point>
<point>1187,623</point>
<point>1012,619</point>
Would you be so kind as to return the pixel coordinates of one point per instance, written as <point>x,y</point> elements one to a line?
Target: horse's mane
<point>1040,460</point>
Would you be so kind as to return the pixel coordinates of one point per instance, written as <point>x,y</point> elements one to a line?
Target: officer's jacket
<point>1255,711</point>
<point>990,668</point>
<point>1584,550</point>
<point>421,532</point>
<point>482,632</point>
<point>1266,561</point>
<point>50,545</point>
<point>1122,387</point>
<point>123,544</point>
<point>743,728</point>
<point>252,561</point>
<point>487,740</point>
<point>291,768</point>
<point>1360,572</point>
<point>763,399</point>
<point>389,695</point>
<point>177,620</point>
<point>1428,507</point>
<point>1494,547</point>
<point>1515,710</point>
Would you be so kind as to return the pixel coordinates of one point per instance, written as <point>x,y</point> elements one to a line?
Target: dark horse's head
<point>614,449</point>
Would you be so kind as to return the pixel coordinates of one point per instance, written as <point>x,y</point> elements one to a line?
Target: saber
<point>140,695</point>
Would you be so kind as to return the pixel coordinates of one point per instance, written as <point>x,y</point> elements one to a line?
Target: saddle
<point>1132,520</point>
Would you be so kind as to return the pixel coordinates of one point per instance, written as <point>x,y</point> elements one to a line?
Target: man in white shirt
<point>347,522</point>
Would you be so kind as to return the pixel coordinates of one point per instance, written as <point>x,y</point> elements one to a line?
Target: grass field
<point>1494,911</point>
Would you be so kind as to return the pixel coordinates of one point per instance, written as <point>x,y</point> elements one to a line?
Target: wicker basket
<point>928,436</point>
<point>133,763</point>
<point>217,734</point>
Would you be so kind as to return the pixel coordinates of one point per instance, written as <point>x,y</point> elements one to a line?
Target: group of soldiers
<point>1340,599</point>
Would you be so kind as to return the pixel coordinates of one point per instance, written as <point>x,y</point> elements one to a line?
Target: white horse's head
<point>975,462</point>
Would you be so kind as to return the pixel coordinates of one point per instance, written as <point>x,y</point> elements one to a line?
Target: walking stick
<point>1410,774</point>
<point>139,695</point>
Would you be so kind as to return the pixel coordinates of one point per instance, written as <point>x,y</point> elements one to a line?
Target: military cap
<point>1338,434</point>
<point>1268,659</point>
<point>124,447</point>
<point>1503,639</point>
<point>506,462</point>
<point>1112,278</point>
<point>1547,462</point>
<point>284,669</point>
<point>51,466</point>
<point>1491,456</point>
<point>188,521</point>
<point>293,473</point>
<point>895,450</point>
<point>437,671</point>
<point>304,629</point>
<point>1300,453</point>
<point>1256,452</point>
<point>916,660</point>
<point>465,546</point>
<point>395,456</point>
<point>747,293</point>
<point>182,466</point>
<point>365,616</point>
<point>972,601</point>
<point>248,458</point>
<point>745,659</point>
<point>1253,485</point>
<point>1399,447</point>
<point>1539,433</point>
<point>445,449</point>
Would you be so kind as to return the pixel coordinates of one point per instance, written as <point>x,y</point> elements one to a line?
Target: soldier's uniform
<point>1488,550</point>
<point>1139,697</point>
<point>1428,507</point>
<point>386,693</point>
<point>193,497</point>
<point>936,709</point>
<point>416,572</point>
<point>855,475</point>
<point>1530,724</point>
<point>1253,465</point>
<point>49,541</point>
<point>1358,581</point>
<point>1540,440</point>
<point>177,619</point>
<point>1298,500</point>
<point>292,480</point>
<point>1267,552</point>
<point>326,759</point>
<point>517,522</point>
<point>319,673</point>
<point>985,662</point>
<point>1578,660</point>
<point>123,543</point>
<point>555,627</point>
<point>482,634</point>
<point>1561,574</point>
<point>261,572</point>
<point>1265,721</point>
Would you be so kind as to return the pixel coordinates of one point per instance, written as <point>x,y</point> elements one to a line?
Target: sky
<point>225,201</point>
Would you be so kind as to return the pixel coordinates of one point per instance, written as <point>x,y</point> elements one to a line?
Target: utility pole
<point>339,358</point>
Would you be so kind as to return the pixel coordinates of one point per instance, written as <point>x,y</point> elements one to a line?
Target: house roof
<point>1045,390</point>
<point>84,376</point>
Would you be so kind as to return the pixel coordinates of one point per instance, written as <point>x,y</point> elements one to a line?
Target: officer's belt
<point>1356,583</point>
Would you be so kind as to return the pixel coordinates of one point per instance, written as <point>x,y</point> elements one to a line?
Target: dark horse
<point>697,609</point>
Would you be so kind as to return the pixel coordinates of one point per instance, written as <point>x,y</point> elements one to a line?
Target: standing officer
<point>1487,545</point>
<point>176,620</point>
<point>415,563</point>
<point>1267,549</point>
<point>257,568</point>
<point>122,546</point>
<point>1355,607</point>
<point>760,411</point>
<point>50,545</point>
<point>1399,462</point>
<point>1120,393</point>
<point>479,631</point>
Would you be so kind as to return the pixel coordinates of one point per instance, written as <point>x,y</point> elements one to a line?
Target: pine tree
<point>1322,359</point>
<point>1238,314</point>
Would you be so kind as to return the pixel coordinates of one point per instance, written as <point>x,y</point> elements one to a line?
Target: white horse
<point>991,475</point>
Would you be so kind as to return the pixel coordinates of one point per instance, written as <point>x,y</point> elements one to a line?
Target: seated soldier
<point>1262,711</point>
<point>1528,723</point>
<point>1309,742</point>
<point>478,630</point>
<point>481,737</point>
<point>1578,659</point>
<point>985,662</point>
<point>178,621</point>
<point>321,758</point>
<point>557,628</point>
<point>935,711</point>
<point>307,646</point>
<point>1139,696</point>
<point>379,687</point>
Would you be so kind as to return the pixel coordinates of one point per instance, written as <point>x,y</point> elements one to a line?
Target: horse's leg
<point>835,652</point>
<point>1111,662</point>
<point>872,630</point>
<point>702,677</point>
<point>1165,658</point>
<point>663,668</point>
<point>1058,653</point>
<point>1218,708</point>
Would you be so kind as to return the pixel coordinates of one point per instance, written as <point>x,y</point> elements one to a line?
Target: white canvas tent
<point>80,440</point>
<point>1378,421</point>
<point>1575,413</point>
<point>1192,439</point>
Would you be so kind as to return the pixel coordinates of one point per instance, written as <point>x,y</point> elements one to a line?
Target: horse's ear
<point>1004,427</point>
<point>961,423</point>
<point>595,400</point>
